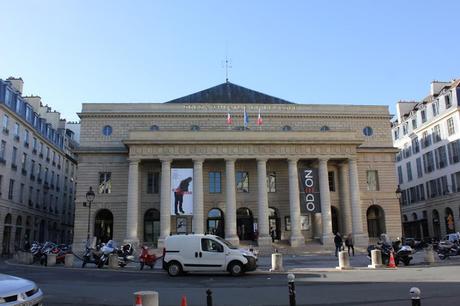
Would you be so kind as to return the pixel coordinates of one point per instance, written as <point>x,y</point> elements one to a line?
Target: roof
<point>229,93</point>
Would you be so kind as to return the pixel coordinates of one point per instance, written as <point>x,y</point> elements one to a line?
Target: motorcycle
<point>124,254</point>
<point>147,257</point>
<point>400,253</point>
<point>448,249</point>
<point>403,253</point>
<point>92,255</point>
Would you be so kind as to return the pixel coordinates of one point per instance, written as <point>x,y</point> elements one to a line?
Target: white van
<point>205,253</point>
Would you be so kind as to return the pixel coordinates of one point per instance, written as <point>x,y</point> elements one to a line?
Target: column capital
<point>198,160</point>
<point>323,159</point>
<point>230,159</point>
<point>134,160</point>
<point>165,160</point>
<point>352,160</point>
<point>262,159</point>
<point>293,160</point>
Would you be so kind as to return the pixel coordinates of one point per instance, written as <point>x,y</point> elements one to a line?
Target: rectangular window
<point>10,190</point>
<point>444,186</point>
<point>419,167</point>
<point>21,193</point>
<point>454,151</point>
<point>415,145</point>
<point>5,123</point>
<point>271,182</point>
<point>423,114</point>
<point>24,161</point>
<point>34,144</point>
<point>400,175</point>
<point>447,101</point>
<point>409,171</point>
<point>441,157</point>
<point>426,138</point>
<point>421,192</point>
<point>14,156</point>
<point>372,180</point>
<point>214,182</point>
<point>407,151</point>
<point>39,172</point>
<point>242,181</point>
<point>16,130</point>
<point>153,182</point>
<point>26,137</point>
<point>450,126</point>
<point>405,129</point>
<point>1,184</point>
<point>105,182</point>
<point>331,178</point>
<point>435,108</point>
<point>456,182</point>
<point>428,162</point>
<point>436,133</point>
<point>414,123</point>
<point>2,150</point>
<point>31,191</point>
<point>32,168</point>
<point>46,175</point>
<point>396,133</point>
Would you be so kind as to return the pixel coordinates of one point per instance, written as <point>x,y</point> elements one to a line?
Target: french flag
<point>229,118</point>
<point>259,119</point>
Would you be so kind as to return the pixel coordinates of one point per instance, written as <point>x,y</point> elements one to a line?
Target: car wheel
<point>235,268</point>
<point>174,269</point>
<point>406,261</point>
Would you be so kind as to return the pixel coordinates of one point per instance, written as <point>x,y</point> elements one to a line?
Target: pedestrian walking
<point>350,245</point>
<point>273,233</point>
<point>338,243</point>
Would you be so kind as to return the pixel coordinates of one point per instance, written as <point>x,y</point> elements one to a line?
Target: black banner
<point>309,191</point>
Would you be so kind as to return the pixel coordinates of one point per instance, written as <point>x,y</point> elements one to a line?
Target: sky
<point>340,52</point>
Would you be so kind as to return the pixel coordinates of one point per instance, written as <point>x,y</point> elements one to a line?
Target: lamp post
<point>398,195</point>
<point>90,198</point>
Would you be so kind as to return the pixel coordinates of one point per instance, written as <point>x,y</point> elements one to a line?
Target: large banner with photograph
<point>182,191</point>
<point>309,190</point>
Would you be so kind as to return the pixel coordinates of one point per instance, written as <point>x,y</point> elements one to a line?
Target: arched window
<point>103,225</point>
<point>324,128</point>
<point>367,131</point>
<point>151,226</point>
<point>245,224</point>
<point>107,130</point>
<point>154,127</point>
<point>375,221</point>
<point>274,222</point>
<point>215,222</point>
<point>414,217</point>
<point>287,128</point>
<point>194,128</point>
<point>449,219</point>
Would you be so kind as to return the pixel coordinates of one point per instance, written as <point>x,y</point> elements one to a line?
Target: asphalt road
<point>104,287</point>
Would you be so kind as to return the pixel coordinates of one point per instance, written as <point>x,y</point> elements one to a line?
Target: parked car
<point>19,291</point>
<point>205,253</point>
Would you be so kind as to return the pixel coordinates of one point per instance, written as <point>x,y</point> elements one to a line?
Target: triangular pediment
<point>229,93</point>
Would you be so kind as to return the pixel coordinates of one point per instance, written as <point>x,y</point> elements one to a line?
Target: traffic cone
<point>184,301</point>
<point>138,300</point>
<point>392,264</point>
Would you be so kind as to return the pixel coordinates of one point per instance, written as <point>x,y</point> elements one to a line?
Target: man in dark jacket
<point>338,243</point>
<point>179,195</point>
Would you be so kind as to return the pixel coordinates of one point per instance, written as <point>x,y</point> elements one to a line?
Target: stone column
<point>325,195</point>
<point>296,238</point>
<point>263,226</point>
<point>230,209</point>
<point>360,239</point>
<point>344,194</point>
<point>165,201</point>
<point>198,221</point>
<point>132,214</point>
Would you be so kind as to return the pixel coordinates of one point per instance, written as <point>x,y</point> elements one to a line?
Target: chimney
<point>436,87</point>
<point>16,83</point>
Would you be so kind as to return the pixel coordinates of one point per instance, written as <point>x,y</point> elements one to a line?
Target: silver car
<point>19,291</point>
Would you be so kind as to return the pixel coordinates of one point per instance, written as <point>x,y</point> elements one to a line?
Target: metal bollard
<point>208,297</point>
<point>148,298</point>
<point>376,257</point>
<point>344,261</point>
<point>291,286</point>
<point>277,262</point>
<point>415,293</point>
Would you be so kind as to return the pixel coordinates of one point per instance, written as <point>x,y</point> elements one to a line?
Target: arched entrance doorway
<point>436,224</point>
<point>18,233</point>
<point>449,219</point>
<point>335,220</point>
<point>152,227</point>
<point>7,235</point>
<point>274,222</point>
<point>375,221</point>
<point>215,222</point>
<point>103,226</point>
<point>245,223</point>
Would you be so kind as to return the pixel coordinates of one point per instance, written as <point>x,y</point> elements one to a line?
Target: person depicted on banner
<point>338,243</point>
<point>179,195</point>
<point>350,245</point>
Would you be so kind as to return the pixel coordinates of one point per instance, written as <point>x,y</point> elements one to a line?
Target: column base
<point>233,240</point>
<point>297,241</point>
<point>327,240</point>
<point>360,240</point>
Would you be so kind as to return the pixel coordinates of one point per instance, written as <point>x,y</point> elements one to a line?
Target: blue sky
<point>350,52</point>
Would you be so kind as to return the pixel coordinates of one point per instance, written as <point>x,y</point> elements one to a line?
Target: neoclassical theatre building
<point>237,163</point>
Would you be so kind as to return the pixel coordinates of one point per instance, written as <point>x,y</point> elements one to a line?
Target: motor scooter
<point>448,249</point>
<point>147,257</point>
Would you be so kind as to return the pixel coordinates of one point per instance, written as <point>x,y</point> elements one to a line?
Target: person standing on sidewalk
<point>338,243</point>
<point>349,244</point>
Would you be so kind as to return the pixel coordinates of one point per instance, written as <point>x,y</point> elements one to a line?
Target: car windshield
<point>228,244</point>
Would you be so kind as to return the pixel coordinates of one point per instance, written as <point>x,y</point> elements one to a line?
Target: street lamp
<point>90,198</point>
<point>398,195</point>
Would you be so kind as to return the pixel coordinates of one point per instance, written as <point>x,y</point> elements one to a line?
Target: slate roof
<point>229,93</point>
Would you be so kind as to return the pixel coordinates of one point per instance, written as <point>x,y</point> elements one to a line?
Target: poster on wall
<point>309,190</point>
<point>182,191</point>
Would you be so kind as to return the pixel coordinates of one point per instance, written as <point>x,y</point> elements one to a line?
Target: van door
<point>212,257</point>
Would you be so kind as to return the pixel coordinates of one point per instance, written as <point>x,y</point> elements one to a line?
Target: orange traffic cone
<point>138,300</point>
<point>392,264</point>
<point>184,301</point>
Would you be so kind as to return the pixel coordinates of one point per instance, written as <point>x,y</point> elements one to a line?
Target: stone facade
<point>131,140</point>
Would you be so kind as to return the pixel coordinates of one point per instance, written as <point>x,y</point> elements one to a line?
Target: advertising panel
<point>182,191</point>
<point>309,190</point>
